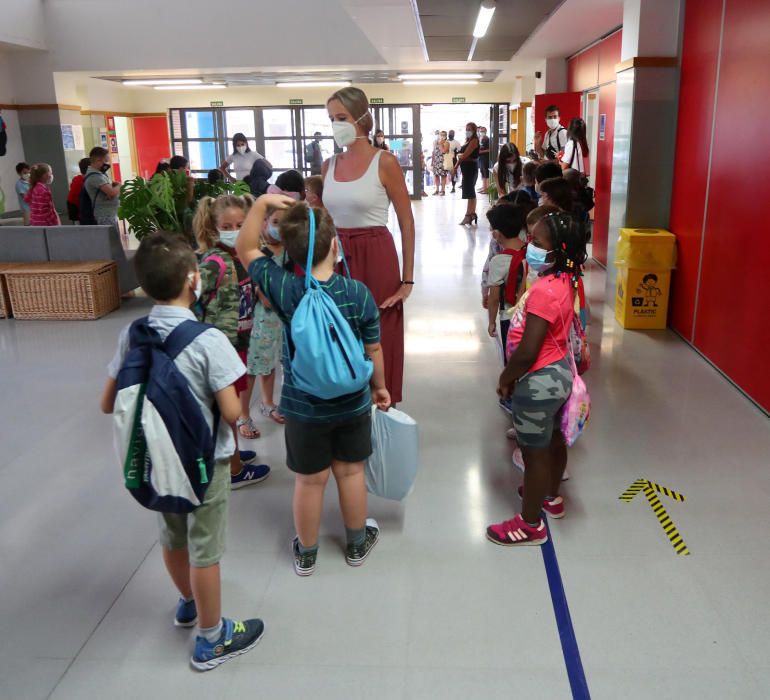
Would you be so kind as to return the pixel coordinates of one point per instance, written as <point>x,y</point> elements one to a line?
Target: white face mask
<point>228,237</point>
<point>344,133</point>
<point>553,122</point>
<point>50,179</point>
<point>25,177</point>
<point>511,167</point>
<point>241,149</point>
<point>198,288</point>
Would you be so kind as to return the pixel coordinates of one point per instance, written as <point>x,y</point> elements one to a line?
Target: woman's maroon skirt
<point>373,260</point>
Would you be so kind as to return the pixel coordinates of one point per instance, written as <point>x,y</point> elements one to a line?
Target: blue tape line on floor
<point>569,645</point>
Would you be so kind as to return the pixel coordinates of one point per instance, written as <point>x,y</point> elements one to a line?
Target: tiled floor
<point>438,612</point>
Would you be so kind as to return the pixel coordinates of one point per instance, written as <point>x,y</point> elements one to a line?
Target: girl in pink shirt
<point>41,209</point>
<point>538,375</point>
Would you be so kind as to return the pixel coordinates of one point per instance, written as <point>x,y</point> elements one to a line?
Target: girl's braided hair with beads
<point>568,236</point>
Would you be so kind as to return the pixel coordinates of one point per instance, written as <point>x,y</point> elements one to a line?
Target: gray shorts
<point>537,402</point>
<point>203,530</point>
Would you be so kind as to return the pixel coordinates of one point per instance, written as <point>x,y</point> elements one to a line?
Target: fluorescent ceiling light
<point>165,81</point>
<point>312,84</point>
<point>440,82</point>
<point>190,87</point>
<point>440,76</point>
<point>486,11</point>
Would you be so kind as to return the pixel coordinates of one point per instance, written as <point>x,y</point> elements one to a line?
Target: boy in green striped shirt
<point>323,437</point>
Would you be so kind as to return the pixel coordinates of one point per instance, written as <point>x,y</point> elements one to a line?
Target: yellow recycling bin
<point>644,258</point>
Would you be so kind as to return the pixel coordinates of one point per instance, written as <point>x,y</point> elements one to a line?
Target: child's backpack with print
<point>579,344</point>
<point>163,440</point>
<point>228,298</point>
<point>327,359</point>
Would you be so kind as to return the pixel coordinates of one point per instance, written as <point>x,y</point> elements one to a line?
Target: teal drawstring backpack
<point>328,359</point>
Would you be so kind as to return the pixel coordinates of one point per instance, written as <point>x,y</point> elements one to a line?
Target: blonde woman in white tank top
<point>359,186</point>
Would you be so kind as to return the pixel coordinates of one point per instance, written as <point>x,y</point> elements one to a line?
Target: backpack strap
<point>222,267</point>
<point>96,194</point>
<point>310,247</point>
<point>183,335</point>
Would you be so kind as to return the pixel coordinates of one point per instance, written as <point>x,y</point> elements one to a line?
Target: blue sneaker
<point>248,456</point>
<point>250,474</point>
<point>186,613</point>
<point>237,638</point>
<point>507,406</point>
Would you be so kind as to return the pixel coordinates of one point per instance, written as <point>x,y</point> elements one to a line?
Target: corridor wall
<point>588,70</point>
<point>721,287</point>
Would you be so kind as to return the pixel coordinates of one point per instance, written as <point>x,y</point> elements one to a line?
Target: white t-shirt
<point>574,158</point>
<point>243,162</point>
<point>454,146</point>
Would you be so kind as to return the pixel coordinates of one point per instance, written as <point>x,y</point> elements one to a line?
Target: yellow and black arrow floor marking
<point>649,488</point>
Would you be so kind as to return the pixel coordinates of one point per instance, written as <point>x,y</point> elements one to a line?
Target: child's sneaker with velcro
<point>304,564</point>
<point>517,532</point>
<point>186,613</point>
<point>553,506</point>
<point>237,638</point>
<point>356,554</point>
<point>250,474</point>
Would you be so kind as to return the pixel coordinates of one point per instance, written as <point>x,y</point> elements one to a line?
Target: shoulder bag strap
<point>182,336</point>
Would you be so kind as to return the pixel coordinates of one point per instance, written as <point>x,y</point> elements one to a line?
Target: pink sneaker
<point>554,507</point>
<point>515,532</point>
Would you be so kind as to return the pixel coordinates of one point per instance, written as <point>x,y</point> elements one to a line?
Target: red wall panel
<point>569,104</point>
<point>731,326</point>
<point>696,108</point>
<point>152,143</point>
<point>609,57</point>
<point>603,177</point>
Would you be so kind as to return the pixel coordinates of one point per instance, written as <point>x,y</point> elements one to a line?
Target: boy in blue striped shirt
<point>323,437</point>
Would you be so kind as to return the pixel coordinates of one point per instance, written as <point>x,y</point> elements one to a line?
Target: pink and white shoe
<point>554,507</point>
<point>516,532</point>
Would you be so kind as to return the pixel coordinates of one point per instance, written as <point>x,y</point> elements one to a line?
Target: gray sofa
<point>70,243</point>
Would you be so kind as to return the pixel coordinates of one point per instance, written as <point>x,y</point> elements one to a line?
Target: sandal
<point>252,430</point>
<point>272,413</point>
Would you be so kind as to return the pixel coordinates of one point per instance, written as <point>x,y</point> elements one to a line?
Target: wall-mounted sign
<point>296,101</point>
<point>458,100</point>
<point>103,138</point>
<point>67,137</point>
<point>217,103</point>
<point>377,101</point>
<point>602,126</point>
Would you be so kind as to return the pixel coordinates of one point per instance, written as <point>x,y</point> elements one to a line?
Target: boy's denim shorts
<point>537,402</point>
<point>203,530</point>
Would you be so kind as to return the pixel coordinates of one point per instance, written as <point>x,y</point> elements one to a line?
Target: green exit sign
<point>377,101</point>
<point>217,103</point>
<point>458,100</point>
<point>296,101</point>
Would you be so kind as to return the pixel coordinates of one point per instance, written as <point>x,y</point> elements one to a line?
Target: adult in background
<point>468,162</point>
<point>102,190</point>
<point>454,149</point>
<point>440,150</point>
<point>379,140</point>
<point>314,156</point>
<point>484,159</point>
<point>555,139</point>
<point>507,170</point>
<point>575,155</point>
<point>359,186</point>
<point>241,159</point>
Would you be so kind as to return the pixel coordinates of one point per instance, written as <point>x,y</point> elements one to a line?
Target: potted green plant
<point>167,202</point>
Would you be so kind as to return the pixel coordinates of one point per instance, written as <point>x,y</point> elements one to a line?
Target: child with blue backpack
<point>333,371</point>
<point>197,365</point>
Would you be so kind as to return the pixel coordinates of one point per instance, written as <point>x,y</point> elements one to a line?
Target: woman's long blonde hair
<point>209,210</point>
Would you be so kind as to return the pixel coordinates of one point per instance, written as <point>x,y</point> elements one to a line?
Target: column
<point>645,120</point>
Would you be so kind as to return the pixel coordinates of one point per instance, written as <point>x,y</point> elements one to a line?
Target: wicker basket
<point>63,290</point>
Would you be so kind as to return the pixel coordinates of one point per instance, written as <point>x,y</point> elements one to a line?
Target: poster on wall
<point>77,136</point>
<point>103,138</point>
<point>602,126</point>
<point>67,137</point>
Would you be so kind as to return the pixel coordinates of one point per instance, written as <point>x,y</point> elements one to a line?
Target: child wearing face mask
<point>538,375</point>
<point>267,332</point>
<point>22,187</point>
<point>39,198</point>
<point>226,301</point>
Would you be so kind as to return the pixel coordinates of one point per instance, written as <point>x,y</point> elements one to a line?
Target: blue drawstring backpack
<point>328,359</point>
<point>164,442</point>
